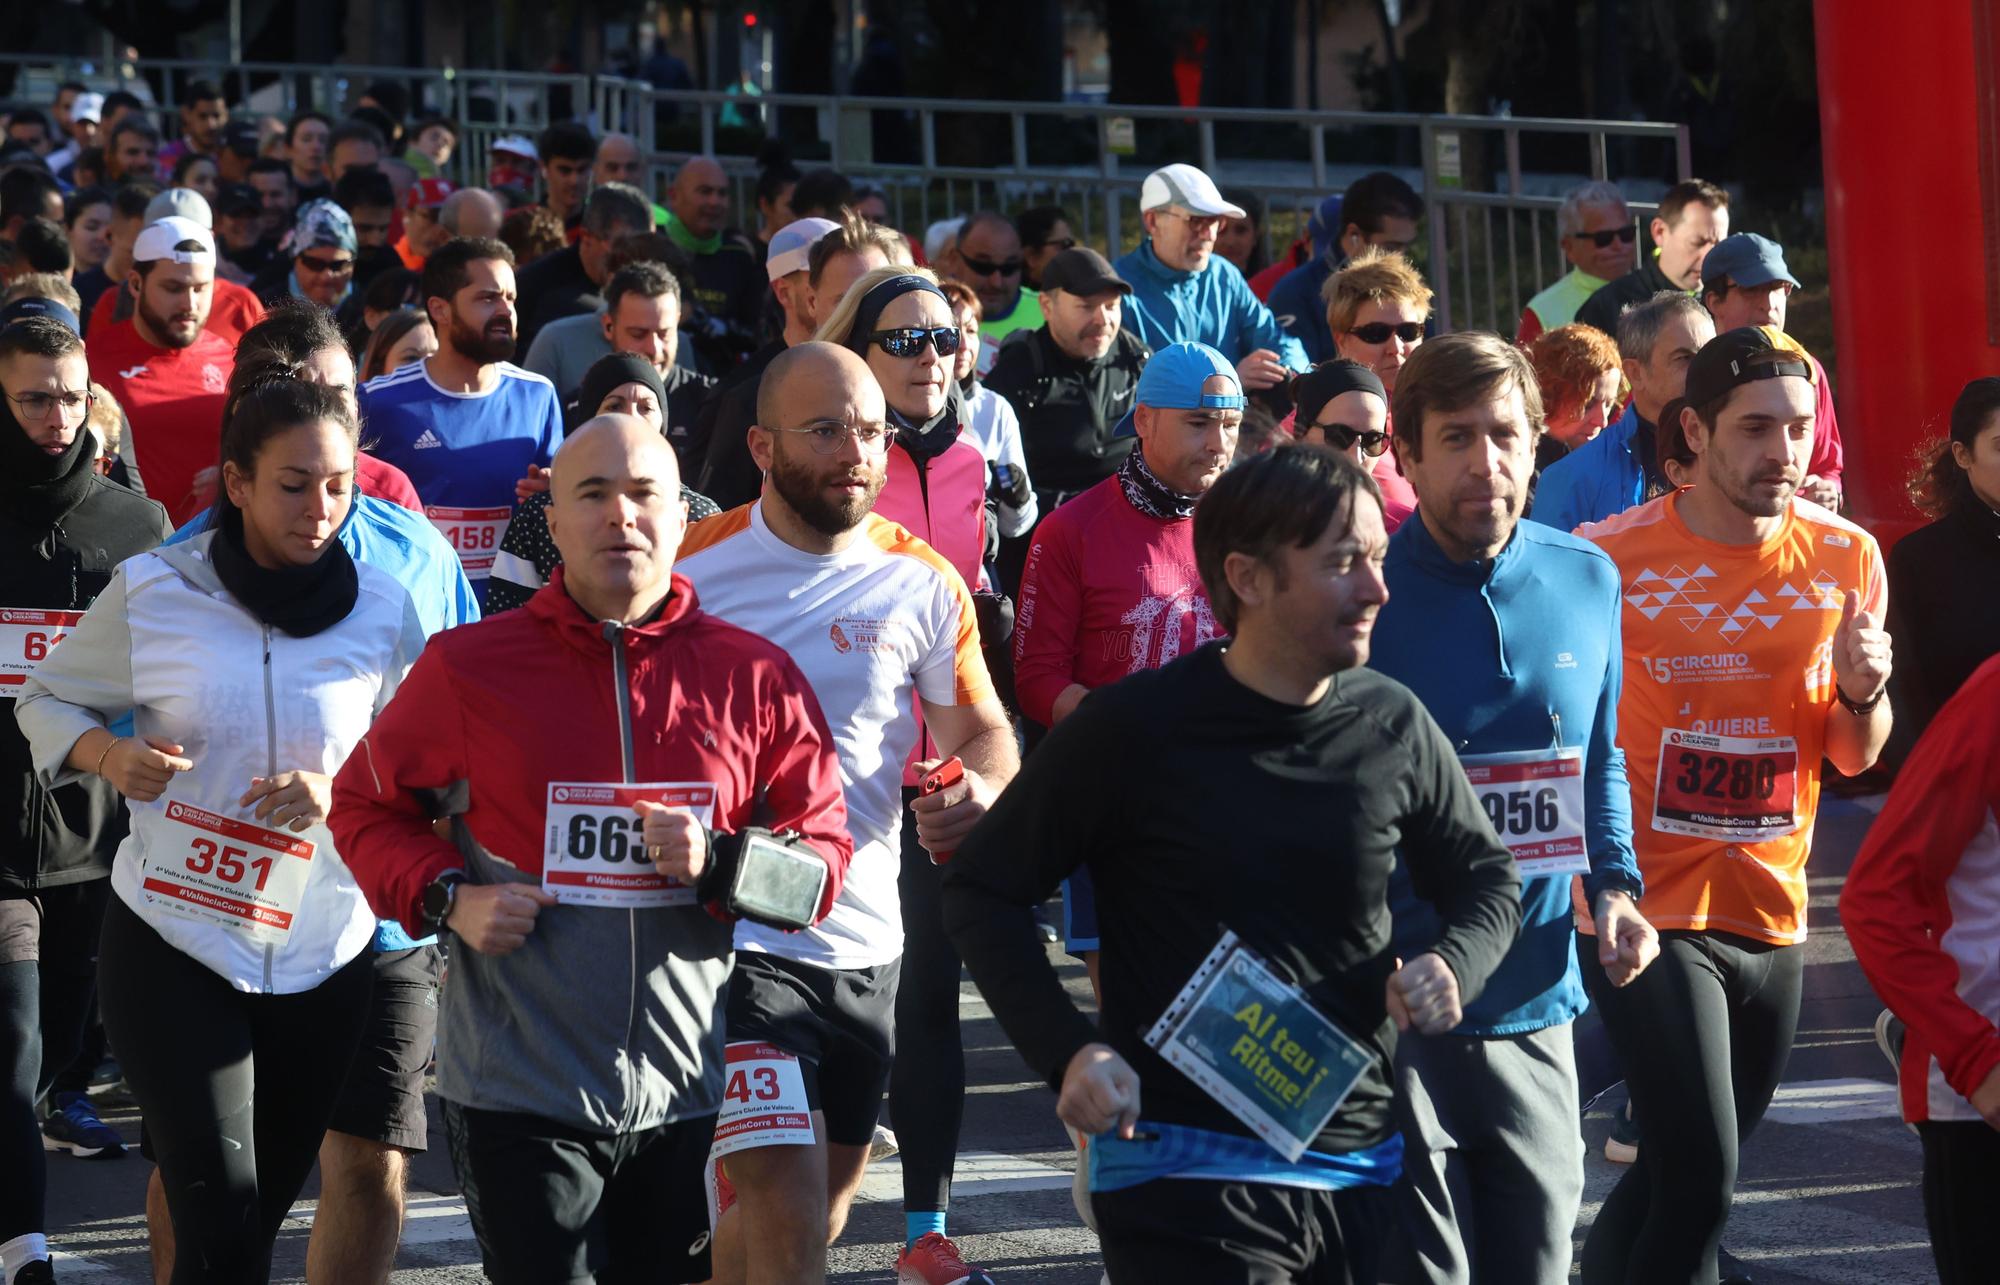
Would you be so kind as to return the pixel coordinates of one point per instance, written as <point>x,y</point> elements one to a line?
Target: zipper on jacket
<point>270,765</point>
<point>621,683</point>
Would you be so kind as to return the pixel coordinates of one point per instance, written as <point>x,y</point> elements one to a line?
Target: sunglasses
<point>988,268</point>
<point>336,267</point>
<point>1055,243</point>
<point>1626,235</point>
<point>909,341</point>
<point>1378,332</point>
<point>1340,437</point>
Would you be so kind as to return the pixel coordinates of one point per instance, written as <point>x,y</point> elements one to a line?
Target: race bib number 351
<point>593,854</point>
<point>1535,802</point>
<point>230,872</point>
<point>26,637</point>
<point>1734,788</point>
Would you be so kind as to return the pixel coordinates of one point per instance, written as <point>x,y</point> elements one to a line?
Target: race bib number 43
<point>474,533</point>
<point>225,871</point>
<point>25,638</point>
<point>1535,802</point>
<point>593,854</point>
<point>1734,788</point>
<point>763,1100</point>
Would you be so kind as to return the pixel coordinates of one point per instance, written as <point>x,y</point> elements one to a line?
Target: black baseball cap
<point>1741,356</point>
<point>1082,271</point>
<point>238,198</point>
<point>241,137</point>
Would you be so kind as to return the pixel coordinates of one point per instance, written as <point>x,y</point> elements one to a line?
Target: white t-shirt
<point>873,628</point>
<point>991,422</point>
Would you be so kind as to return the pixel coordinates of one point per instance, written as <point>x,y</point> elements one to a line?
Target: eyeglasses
<point>1378,332</point>
<point>36,406</point>
<point>909,341</point>
<point>1627,235</point>
<point>828,435</point>
<point>1198,223</point>
<point>1055,243</point>
<point>988,268</point>
<point>1340,437</point>
<point>333,267</point>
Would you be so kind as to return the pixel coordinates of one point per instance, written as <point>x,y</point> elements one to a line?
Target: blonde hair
<point>855,235</point>
<point>838,327</point>
<point>52,286</point>
<point>1373,276</point>
<point>106,419</point>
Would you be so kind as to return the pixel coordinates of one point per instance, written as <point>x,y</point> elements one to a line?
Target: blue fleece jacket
<point>1518,653</point>
<point>1299,307</point>
<point>1597,480</point>
<point>1213,307</point>
<point>403,543</point>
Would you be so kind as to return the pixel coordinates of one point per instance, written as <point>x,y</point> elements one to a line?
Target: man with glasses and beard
<point>991,262</point>
<point>466,423</point>
<point>167,369</point>
<point>807,562</point>
<point>1183,292</point>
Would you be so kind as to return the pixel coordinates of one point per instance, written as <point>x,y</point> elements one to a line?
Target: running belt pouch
<point>766,878</point>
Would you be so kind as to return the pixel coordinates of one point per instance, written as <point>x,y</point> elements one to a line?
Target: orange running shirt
<point>1728,684</point>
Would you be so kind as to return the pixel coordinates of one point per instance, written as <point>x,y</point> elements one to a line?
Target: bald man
<point>605,1087</point>
<point>729,281</point>
<point>619,161</point>
<point>471,212</point>
<point>809,561</point>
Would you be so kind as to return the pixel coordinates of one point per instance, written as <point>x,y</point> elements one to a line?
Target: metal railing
<point>1491,184</point>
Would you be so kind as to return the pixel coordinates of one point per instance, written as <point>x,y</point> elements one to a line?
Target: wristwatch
<point>439,894</point>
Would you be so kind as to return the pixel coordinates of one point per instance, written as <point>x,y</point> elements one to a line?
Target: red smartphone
<point>940,778</point>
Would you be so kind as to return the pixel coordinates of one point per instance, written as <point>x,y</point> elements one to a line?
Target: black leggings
<point>1703,1034</point>
<point>927,1083</point>
<point>45,1007</point>
<point>1961,1193</point>
<point>236,1089</point>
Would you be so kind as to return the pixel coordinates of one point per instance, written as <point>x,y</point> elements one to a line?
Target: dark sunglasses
<point>1340,437</point>
<point>1056,243</point>
<point>314,263</point>
<point>987,268</point>
<point>1378,332</point>
<point>909,341</point>
<point>1627,234</point>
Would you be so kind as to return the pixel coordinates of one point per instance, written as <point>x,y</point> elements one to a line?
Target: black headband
<point>885,293</point>
<point>1320,385</point>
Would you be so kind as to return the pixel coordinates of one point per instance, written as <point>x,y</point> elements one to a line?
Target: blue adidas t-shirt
<point>464,451</point>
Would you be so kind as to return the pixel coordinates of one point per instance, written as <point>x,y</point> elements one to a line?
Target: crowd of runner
<point>625,660</point>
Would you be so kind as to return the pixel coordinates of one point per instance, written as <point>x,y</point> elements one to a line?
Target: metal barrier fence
<point>1491,185</point>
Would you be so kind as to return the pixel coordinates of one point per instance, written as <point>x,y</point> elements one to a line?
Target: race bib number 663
<point>26,638</point>
<point>593,854</point>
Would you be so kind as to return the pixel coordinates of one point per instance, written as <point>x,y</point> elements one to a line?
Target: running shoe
<point>883,1144</point>
<point>1621,1145</point>
<point>1889,1033</point>
<point>1732,1269</point>
<point>934,1260</point>
<point>39,1272</point>
<point>1045,924</point>
<point>75,1128</point>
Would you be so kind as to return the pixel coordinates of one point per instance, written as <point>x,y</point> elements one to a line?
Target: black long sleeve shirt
<point>1200,805</point>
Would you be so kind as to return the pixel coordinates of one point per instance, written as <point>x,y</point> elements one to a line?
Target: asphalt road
<point>1828,1191</point>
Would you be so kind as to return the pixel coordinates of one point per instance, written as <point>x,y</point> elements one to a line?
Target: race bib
<point>474,533</point>
<point>224,871</point>
<point>594,855</point>
<point>1535,802</point>
<point>1256,1044</point>
<point>763,1100</point>
<point>1735,788</point>
<point>25,638</point>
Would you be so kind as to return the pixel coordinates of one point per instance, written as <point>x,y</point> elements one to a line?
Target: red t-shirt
<point>1107,592</point>
<point>233,310</point>
<point>384,481</point>
<point>172,397</point>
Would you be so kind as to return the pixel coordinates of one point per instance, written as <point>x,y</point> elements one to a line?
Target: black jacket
<point>722,433</point>
<point>1943,614</point>
<point>1637,286</point>
<point>60,562</point>
<point>1068,408</point>
<point>551,288</point>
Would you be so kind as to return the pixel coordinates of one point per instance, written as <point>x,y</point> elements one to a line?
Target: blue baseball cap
<point>1324,226</point>
<point>1745,259</point>
<point>1173,378</point>
<point>22,309</point>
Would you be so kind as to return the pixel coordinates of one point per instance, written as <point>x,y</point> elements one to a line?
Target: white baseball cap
<point>180,203</point>
<point>1187,188</point>
<point>516,145</point>
<point>87,107</point>
<point>158,242</point>
<point>791,246</point>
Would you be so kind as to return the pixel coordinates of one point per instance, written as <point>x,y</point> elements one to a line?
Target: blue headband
<point>885,293</point>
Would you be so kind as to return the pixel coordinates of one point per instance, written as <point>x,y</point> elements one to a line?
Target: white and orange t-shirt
<point>1728,685</point>
<point>875,627</point>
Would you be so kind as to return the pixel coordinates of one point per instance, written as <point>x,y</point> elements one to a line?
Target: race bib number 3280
<point>1734,788</point>
<point>593,855</point>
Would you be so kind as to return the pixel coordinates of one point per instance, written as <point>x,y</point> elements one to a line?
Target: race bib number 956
<point>1734,788</point>
<point>1535,802</point>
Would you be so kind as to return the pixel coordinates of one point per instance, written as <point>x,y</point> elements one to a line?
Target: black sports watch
<point>439,894</point>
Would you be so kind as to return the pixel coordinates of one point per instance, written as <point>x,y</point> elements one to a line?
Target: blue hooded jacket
<point>1519,653</point>
<point>1599,479</point>
<point>1213,307</point>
